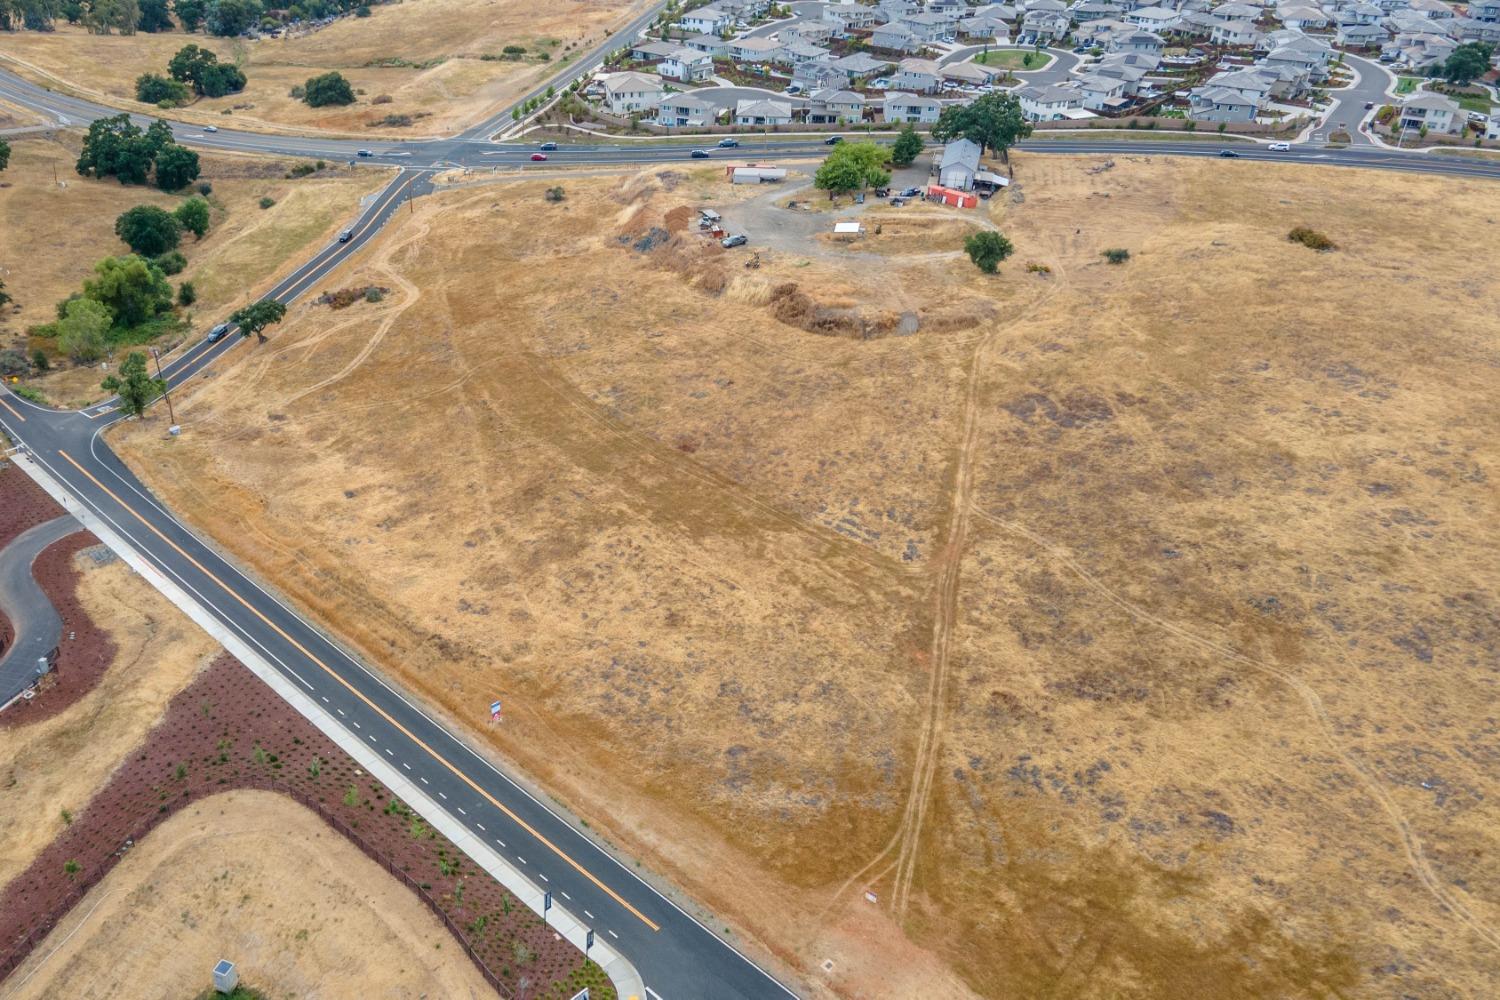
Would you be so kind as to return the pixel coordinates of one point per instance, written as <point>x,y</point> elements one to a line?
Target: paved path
<point>37,625</point>
<point>1373,84</point>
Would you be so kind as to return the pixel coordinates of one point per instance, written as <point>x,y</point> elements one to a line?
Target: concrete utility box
<point>226,977</point>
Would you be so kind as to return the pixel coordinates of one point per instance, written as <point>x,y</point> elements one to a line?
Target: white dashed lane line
<point>442,795</point>
<point>499,841</point>
<point>613,934</point>
<point>388,752</point>
<point>356,724</point>
<point>543,877</point>
<point>481,827</point>
<point>520,859</point>
<point>406,765</point>
<point>340,711</point>
<point>424,781</point>
<point>566,896</point>
<point>461,809</point>
<point>586,913</point>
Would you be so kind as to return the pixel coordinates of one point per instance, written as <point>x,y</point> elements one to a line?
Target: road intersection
<point>674,952</point>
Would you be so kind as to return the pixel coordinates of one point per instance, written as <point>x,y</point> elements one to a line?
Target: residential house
<point>967,74</point>
<point>1485,10</point>
<point>683,110</point>
<point>1137,41</point>
<point>861,66</point>
<point>753,50</point>
<point>1098,33</point>
<point>1049,102</point>
<point>1157,19</point>
<point>687,65</point>
<point>848,17</point>
<point>1237,12</point>
<point>812,32</point>
<point>929,26</point>
<point>959,164</point>
<point>709,20</point>
<point>1434,112</point>
<point>627,93</point>
<point>1360,13</point>
<point>1248,83</point>
<point>1303,53</point>
<point>1419,49</point>
<point>1094,10</point>
<point>1435,9</point>
<point>894,38</point>
<point>819,74</point>
<point>914,108</point>
<point>1240,33</point>
<point>1360,36</point>
<point>1220,104</point>
<point>919,75</point>
<point>1045,25</point>
<point>652,51</point>
<point>745,10</point>
<point>1469,29</point>
<point>1103,93</point>
<point>831,107</point>
<point>1197,24</point>
<point>795,51</point>
<point>982,27</point>
<point>715,46</point>
<point>762,112</point>
<point>1303,18</point>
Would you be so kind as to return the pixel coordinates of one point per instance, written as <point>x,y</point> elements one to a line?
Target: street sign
<point>588,942</point>
<point>495,711</point>
<point>546,902</point>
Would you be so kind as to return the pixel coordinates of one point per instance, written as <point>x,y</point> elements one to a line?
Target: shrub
<point>153,89</point>
<point>13,362</point>
<point>987,249</point>
<point>302,170</point>
<point>330,88</point>
<point>555,194</point>
<point>383,99</point>
<point>373,294</point>
<point>267,201</point>
<point>204,187</point>
<point>1311,238</point>
<point>39,360</point>
<point>363,10</point>
<point>186,294</point>
<point>148,230</point>
<point>1116,255</point>
<point>71,868</point>
<point>192,215</point>
<point>171,262</point>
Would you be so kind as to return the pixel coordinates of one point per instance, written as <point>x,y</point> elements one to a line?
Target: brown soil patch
<point>23,505</point>
<point>254,877</point>
<point>1132,640</point>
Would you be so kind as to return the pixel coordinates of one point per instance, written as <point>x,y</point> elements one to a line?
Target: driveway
<point>37,625</point>
<point>1373,84</point>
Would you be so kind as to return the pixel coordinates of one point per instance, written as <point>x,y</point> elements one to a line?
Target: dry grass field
<point>424,55</point>
<point>256,877</point>
<point>59,763</point>
<point>69,226</point>
<point>1129,631</point>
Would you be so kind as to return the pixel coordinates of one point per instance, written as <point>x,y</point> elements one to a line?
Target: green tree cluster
<point>228,18</point>
<point>987,249</point>
<point>330,88</point>
<point>132,288</point>
<point>906,148</point>
<point>136,388</point>
<point>254,318</point>
<point>1467,63</point>
<point>994,121</point>
<point>116,147</point>
<point>853,166</point>
<point>152,88</point>
<point>148,230</point>
<point>201,68</point>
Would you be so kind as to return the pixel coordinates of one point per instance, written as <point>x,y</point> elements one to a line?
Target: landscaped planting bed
<point>228,730</point>
<point>23,505</point>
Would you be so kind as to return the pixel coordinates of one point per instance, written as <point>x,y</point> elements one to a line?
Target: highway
<point>678,958</point>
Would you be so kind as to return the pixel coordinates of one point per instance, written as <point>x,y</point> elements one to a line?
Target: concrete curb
<point>627,981</point>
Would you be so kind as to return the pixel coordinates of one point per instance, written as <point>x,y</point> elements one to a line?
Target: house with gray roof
<point>761,112</point>
<point>959,164</point>
<point>895,38</point>
<point>1433,112</point>
<point>914,108</point>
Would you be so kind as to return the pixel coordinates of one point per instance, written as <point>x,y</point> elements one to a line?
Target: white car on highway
<point>1280,147</point>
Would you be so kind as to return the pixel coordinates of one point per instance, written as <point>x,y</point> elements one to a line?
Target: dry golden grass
<point>423,54</point>
<point>1125,629</point>
<point>254,877</point>
<point>60,762</point>
<point>69,226</point>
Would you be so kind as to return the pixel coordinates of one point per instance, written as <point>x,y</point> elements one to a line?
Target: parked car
<point>548,147</point>
<point>364,152</point>
<point>217,333</point>
<point>833,140</point>
<point>538,157</point>
<point>728,143</point>
<point>346,236</point>
<point>898,201</point>
<point>210,128</point>
<point>1279,147</point>
<point>699,154</point>
<point>730,242</point>
<point>1369,105</point>
<point>911,192</point>
<point>1228,154</point>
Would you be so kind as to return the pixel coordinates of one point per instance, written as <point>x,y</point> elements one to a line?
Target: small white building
<point>687,65</point>
<point>627,93</point>
<point>959,164</point>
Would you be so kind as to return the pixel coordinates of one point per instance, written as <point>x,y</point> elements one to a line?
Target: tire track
<point>1411,844</point>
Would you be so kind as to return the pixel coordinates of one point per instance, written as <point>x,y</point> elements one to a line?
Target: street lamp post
<point>164,393</point>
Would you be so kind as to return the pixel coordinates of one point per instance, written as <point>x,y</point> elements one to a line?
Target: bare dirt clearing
<point>255,877</point>
<point>1127,622</point>
<point>424,55</point>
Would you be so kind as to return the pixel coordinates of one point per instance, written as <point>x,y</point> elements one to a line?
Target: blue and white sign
<point>494,708</point>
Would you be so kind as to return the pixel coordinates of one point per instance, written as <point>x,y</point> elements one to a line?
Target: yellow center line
<point>19,415</point>
<point>373,707</point>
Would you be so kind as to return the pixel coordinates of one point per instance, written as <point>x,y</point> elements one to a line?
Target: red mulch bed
<point>228,730</point>
<point>23,505</point>
<point>84,652</point>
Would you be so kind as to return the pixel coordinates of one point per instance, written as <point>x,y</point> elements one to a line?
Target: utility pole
<point>164,394</point>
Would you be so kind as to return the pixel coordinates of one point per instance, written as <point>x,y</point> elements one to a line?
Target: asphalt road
<point>35,621</point>
<point>677,956</point>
